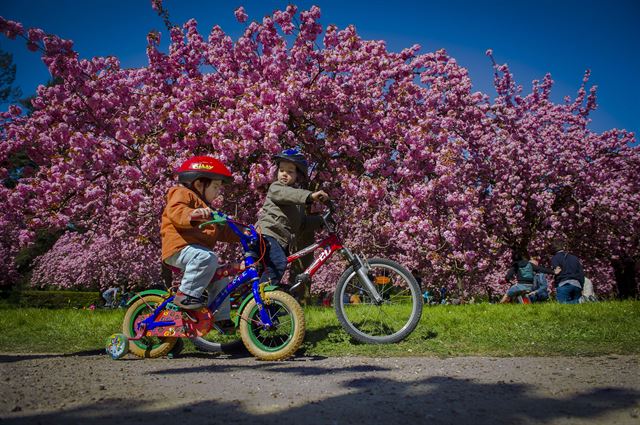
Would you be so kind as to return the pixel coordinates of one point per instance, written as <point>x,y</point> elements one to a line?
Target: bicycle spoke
<point>390,320</point>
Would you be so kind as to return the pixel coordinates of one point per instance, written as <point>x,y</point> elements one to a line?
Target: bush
<point>49,299</point>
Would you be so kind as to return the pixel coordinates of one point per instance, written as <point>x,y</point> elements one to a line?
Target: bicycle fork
<point>361,268</point>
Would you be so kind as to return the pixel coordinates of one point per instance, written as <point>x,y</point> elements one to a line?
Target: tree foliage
<point>425,170</point>
<point>8,92</point>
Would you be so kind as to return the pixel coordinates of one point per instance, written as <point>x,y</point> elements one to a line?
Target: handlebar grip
<point>217,218</point>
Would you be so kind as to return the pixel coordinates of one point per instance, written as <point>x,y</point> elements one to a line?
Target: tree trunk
<point>625,273</point>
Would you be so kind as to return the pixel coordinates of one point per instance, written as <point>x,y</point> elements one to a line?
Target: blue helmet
<point>294,156</point>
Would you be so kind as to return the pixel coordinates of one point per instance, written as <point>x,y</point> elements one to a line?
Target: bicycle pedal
<point>172,307</point>
<point>189,317</point>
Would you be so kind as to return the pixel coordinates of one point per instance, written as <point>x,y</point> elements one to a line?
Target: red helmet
<point>205,167</point>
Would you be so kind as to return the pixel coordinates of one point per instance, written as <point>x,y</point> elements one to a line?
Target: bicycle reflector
<point>382,280</point>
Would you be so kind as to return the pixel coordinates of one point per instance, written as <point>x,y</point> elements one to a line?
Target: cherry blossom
<point>424,170</point>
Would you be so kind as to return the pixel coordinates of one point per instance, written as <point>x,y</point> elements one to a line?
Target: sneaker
<point>188,302</point>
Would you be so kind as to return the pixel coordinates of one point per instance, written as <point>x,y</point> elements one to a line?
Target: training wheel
<point>117,346</point>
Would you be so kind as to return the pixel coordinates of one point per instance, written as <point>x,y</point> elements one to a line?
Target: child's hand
<point>320,196</point>
<point>200,214</point>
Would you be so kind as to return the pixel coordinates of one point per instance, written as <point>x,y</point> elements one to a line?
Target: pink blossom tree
<point>424,170</point>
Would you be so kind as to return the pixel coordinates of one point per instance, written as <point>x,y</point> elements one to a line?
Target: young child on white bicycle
<point>184,245</point>
<point>283,215</point>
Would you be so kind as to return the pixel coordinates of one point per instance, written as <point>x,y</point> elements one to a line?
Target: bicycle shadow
<point>432,400</point>
<point>276,367</point>
<point>18,357</point>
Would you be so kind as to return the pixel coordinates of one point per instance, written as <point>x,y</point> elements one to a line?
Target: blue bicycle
<point>270,321</point>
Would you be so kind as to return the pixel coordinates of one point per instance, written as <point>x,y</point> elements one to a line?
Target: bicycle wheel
<point>387,322</point>
<point>284,338</point>
<point>147,346</point>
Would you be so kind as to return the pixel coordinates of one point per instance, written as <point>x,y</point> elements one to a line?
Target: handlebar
<point>216,218</point>
<point>248,238</point>
<point>327,217</point>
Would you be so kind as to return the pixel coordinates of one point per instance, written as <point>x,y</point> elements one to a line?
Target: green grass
<point>476,330</point>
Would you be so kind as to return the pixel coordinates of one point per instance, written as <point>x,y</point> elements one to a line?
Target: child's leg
<point>224,310</point>
<point>199,265</point>
<point>276,261</point>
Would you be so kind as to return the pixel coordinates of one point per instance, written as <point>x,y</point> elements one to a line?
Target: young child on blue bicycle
<point>283,215</point>
<point>184,245</point>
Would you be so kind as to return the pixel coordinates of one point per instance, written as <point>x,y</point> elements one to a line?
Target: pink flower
<point>11,28</point>
<point>240,14</point>
<point>423,170</point>
<point>156,5</point>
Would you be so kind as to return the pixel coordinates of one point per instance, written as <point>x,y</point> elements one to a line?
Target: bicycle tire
<point>284,338</point>
<point>388,322</point>
<point>147,347</point>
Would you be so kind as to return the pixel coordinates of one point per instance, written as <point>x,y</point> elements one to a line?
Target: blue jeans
<point>568,294</point>
<point>519,289</point>
<point>199,264</point>
<point>539,296</point>
<point>276,261</point>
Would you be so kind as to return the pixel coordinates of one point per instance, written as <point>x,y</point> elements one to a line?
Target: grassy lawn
<point>476,330</point>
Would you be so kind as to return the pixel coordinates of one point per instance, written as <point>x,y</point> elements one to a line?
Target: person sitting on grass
<point>569,275</point>
<point>524,271</point>
<point>540,291</point>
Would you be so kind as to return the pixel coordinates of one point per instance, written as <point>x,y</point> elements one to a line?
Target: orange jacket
<point>178,231</point>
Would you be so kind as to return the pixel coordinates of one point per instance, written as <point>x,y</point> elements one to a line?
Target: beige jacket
<point>283,214</point>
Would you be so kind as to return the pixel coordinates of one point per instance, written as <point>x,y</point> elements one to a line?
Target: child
<point>184,245</point>
<point>283,216</point>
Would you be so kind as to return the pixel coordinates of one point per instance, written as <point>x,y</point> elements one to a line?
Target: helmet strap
<point>206,182</point>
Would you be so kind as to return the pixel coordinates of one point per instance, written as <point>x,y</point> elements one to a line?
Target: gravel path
<point>208,389</point>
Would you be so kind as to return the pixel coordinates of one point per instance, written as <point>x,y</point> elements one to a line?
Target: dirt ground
<point>90,388</point>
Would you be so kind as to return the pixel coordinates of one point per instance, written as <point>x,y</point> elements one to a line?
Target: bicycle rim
<point>277,337</point>
<point>387,322</point>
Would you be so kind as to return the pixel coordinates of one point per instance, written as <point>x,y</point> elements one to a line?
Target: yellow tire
<point>147,347</point>
<point>287,333</point>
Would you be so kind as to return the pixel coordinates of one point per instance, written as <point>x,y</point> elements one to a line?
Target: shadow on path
<point>434,400</point>
<point>18,357</point>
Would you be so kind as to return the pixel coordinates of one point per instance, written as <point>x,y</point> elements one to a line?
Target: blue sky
<point>561,37</point>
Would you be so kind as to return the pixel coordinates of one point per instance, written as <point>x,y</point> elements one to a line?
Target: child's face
<point>212,191</point>
<point>287,173</point>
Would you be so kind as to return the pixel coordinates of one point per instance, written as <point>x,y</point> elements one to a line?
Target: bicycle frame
<point>329,246</point>
<point>249,275</point>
